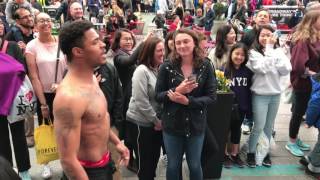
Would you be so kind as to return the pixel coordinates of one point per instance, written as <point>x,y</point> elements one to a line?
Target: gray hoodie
<point>143,106</point>
<point>9,9</point>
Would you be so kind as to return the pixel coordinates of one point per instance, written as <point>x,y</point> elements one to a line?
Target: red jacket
<point>303,55</point>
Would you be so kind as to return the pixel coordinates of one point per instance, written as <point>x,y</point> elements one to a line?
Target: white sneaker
<point>46,172</point>
<point>245,129</point>
<point>164,159</point>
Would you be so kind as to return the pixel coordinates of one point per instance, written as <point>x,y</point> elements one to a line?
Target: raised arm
<point>123,60</point>
<point>67,112</point>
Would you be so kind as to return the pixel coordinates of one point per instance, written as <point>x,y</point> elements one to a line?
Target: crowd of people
<point>154,94</point>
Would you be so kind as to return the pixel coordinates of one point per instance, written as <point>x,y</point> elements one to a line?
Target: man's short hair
<point>72,35</point>
<point>15,14</point>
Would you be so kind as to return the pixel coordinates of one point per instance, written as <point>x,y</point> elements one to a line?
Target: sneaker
<point>245,129</point>
<point>303,146</point>
<point>267,161</point>
<point>313,174</point>
<point>25,175</point>
<point>237,160</point>
<point>46,172</point>
<point>294,149</point>
<point>227,162</point>
<point>164,159</point>
<point>304,161</point>
<point>251,160</point>
<point>273,133</point>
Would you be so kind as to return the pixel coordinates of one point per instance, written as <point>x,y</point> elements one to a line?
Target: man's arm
<point>67,112</point>
<point>121,148</point>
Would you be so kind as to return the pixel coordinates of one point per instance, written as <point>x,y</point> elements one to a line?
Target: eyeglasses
<point>127,39</point>
<point>26,16</point>
<point>42,21</point>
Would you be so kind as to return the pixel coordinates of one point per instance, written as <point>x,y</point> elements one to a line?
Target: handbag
<point>45,143</point>
<point>18,99</point>
<point>24,103</point>
<point>237,23</point>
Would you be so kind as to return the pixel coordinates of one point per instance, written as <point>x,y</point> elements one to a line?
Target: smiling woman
<point>186,85</point>
<point>125,60</point>
<point>45,69</point>
<point>143,121</point>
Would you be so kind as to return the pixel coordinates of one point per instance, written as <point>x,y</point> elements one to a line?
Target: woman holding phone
<point>185,86</point>
<point>268,63</point>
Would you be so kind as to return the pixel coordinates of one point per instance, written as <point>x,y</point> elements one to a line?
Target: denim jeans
<point>176,146</point>
<point>314,156</point>
<point>265,109</point>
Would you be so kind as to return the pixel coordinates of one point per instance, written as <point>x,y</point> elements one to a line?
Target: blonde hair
<point>117,10</point>
<point>305,30</point>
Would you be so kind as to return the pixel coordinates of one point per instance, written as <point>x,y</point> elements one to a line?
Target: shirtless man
<point>82,123</point>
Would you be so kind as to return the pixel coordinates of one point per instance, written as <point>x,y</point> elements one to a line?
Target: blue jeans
<point>176,146</point>
<point>265,109</point>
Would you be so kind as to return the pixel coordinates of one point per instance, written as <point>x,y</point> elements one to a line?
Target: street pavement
<point>285,165</point>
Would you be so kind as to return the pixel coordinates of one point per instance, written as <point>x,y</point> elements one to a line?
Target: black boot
<point>251,160</point>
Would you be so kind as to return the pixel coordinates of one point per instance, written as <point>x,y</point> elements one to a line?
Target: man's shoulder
<point>9,36</point>
<point>69,93</point>
<point>70,97</point>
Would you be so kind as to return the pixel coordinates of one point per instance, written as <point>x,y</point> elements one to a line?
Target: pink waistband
<point>101,163</point>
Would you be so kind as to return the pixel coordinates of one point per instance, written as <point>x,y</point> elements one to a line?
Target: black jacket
<point>112,90</point>
<point>249,37</point>
<point>15,34</point>
<point>63,9</point>
<point>239,14</point>
<point>126,64</point>
<point>178,119</point>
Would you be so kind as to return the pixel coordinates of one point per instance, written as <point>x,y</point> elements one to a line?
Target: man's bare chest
<point>96,108</point>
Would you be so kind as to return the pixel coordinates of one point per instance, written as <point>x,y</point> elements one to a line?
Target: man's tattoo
<point>66,118</point>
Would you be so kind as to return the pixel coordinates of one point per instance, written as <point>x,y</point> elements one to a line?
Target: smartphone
<point>277,34</point>
<point>192,77</point>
